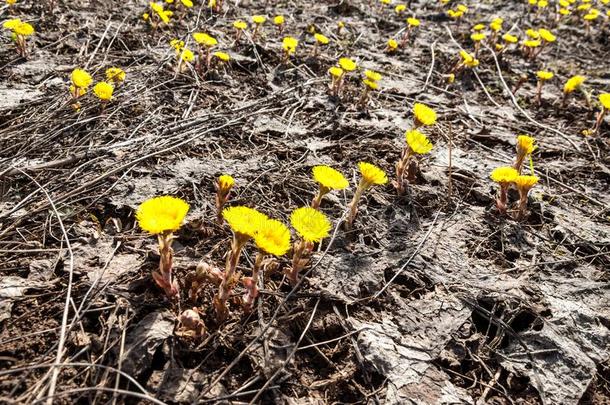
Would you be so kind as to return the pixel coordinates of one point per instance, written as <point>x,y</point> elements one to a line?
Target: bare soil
<point>432,298</point>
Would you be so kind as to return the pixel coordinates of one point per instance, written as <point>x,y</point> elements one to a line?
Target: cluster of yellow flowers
<point>417,143</point>
<point>20,30</point>
<point>338,73</point>
<point>507,176</point>
<point>81,80</point>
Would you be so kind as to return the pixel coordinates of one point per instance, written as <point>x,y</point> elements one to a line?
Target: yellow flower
<point>161,214</point>
<point>462,8</point>
<point>23,29</point>
<point>240,25</point>
<point>495,26</point>
<point>204,39</point>
<point>103,91</point>
<point>372,75</point>
<point>392,44</point>
<point>478,36</point>
<point>526,143</point>
<point>335,71</point>
<point>564,11</point>
<point>532,43</point>
<point>544,75</point>
<point>413,22</point>
<point>321,39</point>
<point>272,237</point>
<point>543,3</point>
<point>371,174</point>
<point>115,74</point>
<point>573,83</point>
<point>373,85</point>
<point>424,114</point>
<point>604,98</point>
<point>468,59</point>
<point>187,55</point>
<point>511,39</point>
<point>187,3</point>
<point>546,35</point>
<point>259,19</point>
<point>11,24</point>
<point>418,142</point>
<point>278,20</point>
<point>225,182</point>
<point>592,15</point>
<point>400,8</point>
<point>329,177</point>
<point>156,7</point>
<point>243,220</point>
<point>504,175</point>
<point>310,224</point>
<point>532,33</point>
<point>347,64</point>
<point>223,56</point>
<point>177,44</point>
<point>290,45</point>
<point>81,79</point>
<point>583,7</point>
<point>11,2</point>
<point>478,27</point>
<point>525,183</point>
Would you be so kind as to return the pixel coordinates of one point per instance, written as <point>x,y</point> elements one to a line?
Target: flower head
<point>278,20</point>
<point>525,183</point>
<point>23,29</point>
<point>418,142</point>
<point>259,19</point>
<point>424,114</point>
<point>187,55</point>
<point>240,25</point>
<point>11,24</point>
<point>187,3</point>
<point>504,174</point>
<point>225,182</point>
<point>526,144</point>
<point>478,36</point>
<point>177,44</point>
<point>511,39</point>
<point>573,83</point>
<point>371,84</point>
<point>321,39</point>
<point>204,39</point>
<point>400,8</point>
<point>532,43</point>
<point>336,71</point>
<point>161,214</point>
<point>532,33</point>
<point>468,59</point>
<point>223,56</point>
<point>81,78</point>
<point>413,22</point>
<point>310,224</point>
<point>604,99</point>
<point>372,75</point>
<point>103,91</point>
<point>347,64</point>
<point>243,220</point>
<point>289,44</point>
<point>544,75</point>
<point>392,44</point>
<point>547,35</point>
<point>272,237</point>
<point>371,174</point>
<point>478,27</point>
<point>115,74</point>
<point>329,177</point>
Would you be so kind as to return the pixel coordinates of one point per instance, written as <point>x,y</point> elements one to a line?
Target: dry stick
<point>273,317</point>
<point>431,68</point>
<point>516,104</point>
<point>103,389</point>
<point>294,350</point>
<point>64,319</point>
<point>123,167</point>
<point>450,180</point>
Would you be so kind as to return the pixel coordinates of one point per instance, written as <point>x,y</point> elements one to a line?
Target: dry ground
<point>432,298</point>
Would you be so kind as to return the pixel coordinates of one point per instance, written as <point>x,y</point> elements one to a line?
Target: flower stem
<point>224,290</point>
<point>353,207</point>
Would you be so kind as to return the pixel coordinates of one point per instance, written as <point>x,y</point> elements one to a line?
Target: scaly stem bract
<point>220,301</point>
<point>353,207</point>
<point>163,277</point>
<point>251,283</point>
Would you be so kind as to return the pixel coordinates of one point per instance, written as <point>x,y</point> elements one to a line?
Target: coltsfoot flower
<point>81,80</point>
<point>604,100</point>
<point>162,216</point>
<point>115,75</point>
<point>329,179</point>
<point>289,45</point>
<point>504,176</point>
<point>224,184</point>
<point>524,184</point>
<point>571,85</point>
<point>416,144</point>
<point>424,115</point>
<point>103,91</point>
<point>371,175</point>
<point>312,226</point>
<point>526,145</point>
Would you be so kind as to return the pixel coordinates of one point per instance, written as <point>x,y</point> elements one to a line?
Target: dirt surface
<point>432,298</point>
